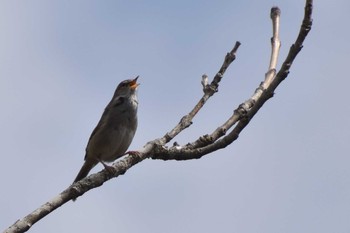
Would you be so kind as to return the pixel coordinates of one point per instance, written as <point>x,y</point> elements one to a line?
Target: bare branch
<point>275,40</point>
<point>204,145</point>
<point>275,45</point>
<point>246,111</point>
<point>298,45</point>
<point>122,165</point>
<point>209,90</point>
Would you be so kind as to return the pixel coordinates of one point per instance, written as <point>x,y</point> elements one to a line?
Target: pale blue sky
<point>60,62</point>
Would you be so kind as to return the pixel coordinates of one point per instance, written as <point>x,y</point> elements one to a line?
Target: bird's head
<point>127,87</point>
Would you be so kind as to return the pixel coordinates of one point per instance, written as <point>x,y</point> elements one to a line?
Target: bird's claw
<point>109,169</point>
<point>133,153</point>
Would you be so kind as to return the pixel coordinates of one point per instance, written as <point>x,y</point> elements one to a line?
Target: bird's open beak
<point>134,83</point>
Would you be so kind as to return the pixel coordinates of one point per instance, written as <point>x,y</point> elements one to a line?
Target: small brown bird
<point>115,130</point>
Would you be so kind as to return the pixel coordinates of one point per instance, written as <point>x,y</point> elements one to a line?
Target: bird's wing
<point>112,104</point>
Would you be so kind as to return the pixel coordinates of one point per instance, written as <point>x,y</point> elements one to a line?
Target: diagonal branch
<point>122,165</point>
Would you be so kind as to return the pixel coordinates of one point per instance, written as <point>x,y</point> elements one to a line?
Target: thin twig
<point>275,46</point>
<point>209,90</point>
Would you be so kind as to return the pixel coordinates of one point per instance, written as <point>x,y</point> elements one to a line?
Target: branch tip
<point>275,12</point>
<point>235,48</point>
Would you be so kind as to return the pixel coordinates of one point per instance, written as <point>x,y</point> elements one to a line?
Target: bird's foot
<point>110,169</point>
<point>133,153</point>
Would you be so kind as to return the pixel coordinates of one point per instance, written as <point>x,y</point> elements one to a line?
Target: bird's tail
<point>85,169</point>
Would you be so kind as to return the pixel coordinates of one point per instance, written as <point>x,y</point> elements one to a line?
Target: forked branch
<point>223,136</point>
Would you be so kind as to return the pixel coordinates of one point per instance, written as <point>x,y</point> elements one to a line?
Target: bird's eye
<point>124,84</point>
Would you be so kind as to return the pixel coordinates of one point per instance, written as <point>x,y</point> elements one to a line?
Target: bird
<point>115,131</point>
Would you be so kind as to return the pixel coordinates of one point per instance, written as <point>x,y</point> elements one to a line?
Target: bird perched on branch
<point>115,130</point>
